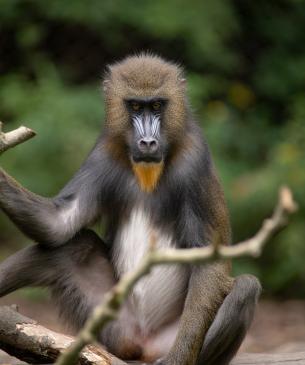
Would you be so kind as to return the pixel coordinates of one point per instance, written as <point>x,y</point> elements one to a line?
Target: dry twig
<point>15,137</point>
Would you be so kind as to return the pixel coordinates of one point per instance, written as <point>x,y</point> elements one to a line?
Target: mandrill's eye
<point>135,106</point>
<point>156,105</point>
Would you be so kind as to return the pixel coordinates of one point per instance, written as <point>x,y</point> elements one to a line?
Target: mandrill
<point>149,177</point>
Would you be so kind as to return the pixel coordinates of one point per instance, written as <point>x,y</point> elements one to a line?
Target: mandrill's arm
<point>54,221</point>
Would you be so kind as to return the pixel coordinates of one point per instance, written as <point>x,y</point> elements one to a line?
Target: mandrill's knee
<point>247,289</point>
<point>244,297</point>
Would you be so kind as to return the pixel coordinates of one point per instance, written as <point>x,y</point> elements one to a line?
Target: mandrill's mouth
<point>147,159</point>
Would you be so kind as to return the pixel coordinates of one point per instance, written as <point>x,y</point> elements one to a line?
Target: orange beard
<point>148,174</point>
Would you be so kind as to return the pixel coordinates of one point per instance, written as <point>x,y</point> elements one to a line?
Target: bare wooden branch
<point>109,308</point>
<point>15,137</point>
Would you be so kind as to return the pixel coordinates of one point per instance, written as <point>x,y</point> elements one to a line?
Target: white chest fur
<point>160,295</point>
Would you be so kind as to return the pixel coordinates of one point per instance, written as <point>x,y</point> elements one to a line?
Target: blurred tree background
<point>245,63</point>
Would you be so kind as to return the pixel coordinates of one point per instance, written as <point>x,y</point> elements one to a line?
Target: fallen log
<point>25,339</point>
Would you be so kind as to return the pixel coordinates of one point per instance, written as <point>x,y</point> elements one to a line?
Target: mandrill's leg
<point>217,314</point>
<point>231,322</point>
<point>28,267</point>
<point>78,274</point>
<point>58,268</point>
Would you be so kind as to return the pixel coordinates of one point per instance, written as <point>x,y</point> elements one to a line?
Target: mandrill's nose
<point>148,145</point>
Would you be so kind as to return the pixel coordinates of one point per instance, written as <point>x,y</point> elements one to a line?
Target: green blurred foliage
<point>245,64</point>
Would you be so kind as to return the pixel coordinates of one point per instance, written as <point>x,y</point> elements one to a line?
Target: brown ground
<point>278,326</point>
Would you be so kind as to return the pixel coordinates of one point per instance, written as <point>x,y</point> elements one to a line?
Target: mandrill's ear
<point>182,82</point>
<point>106,79</point>
<point>105,85</point>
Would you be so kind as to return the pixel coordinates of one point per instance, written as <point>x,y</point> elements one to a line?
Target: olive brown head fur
<point>150,176</point>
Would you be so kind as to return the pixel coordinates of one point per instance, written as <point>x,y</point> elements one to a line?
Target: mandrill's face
<point>145,140</point>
